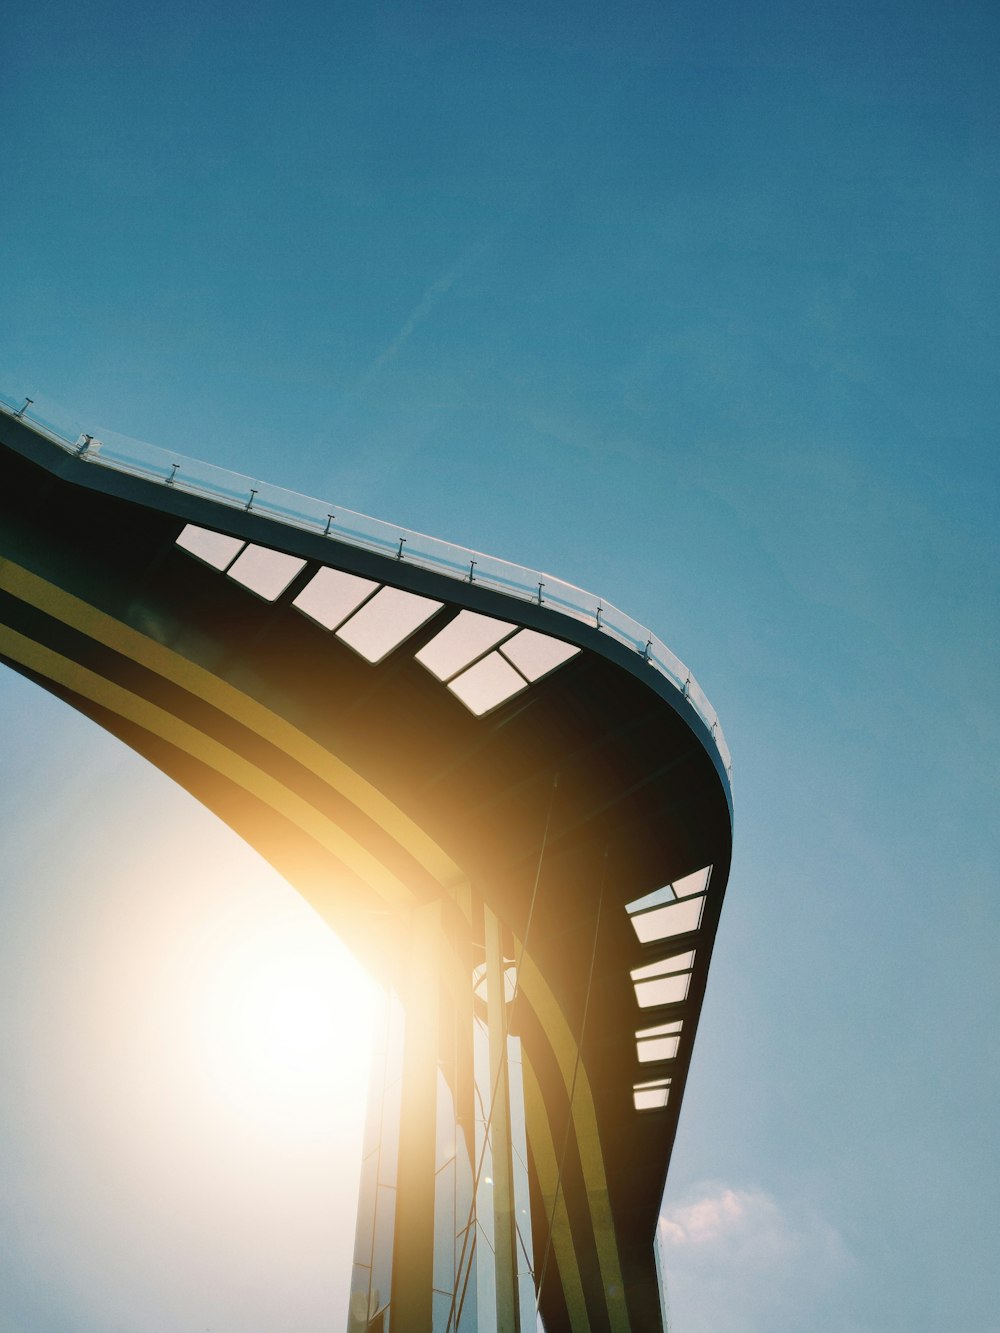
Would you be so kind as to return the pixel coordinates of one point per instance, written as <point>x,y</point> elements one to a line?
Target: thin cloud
<point>434,293</point>
<point>738,1261</point>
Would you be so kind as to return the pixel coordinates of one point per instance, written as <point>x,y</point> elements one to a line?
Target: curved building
<point>511,801</point>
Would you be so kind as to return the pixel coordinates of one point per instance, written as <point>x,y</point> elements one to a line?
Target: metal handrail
<point>150,462</point>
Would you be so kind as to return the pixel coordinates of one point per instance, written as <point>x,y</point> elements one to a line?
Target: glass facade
<point>471,1142</point>
<point>371,1277</point>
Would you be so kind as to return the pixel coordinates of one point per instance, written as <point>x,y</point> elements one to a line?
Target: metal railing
<point>123,454</point>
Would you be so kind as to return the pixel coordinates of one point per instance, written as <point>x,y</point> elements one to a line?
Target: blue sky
<point>693,305</point>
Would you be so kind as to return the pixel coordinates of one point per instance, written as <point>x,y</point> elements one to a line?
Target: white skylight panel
<point>664,990</point>
<point>215,548</point>
<point>696,883</point>
<point>659,1043</point>
<point>461,641</point>
<point>680,962</point>
<point>265,572</point>
<point>535,655</point>
<point>331,595</point>
<point>663,923</point>
<point>657,1048</point>
<point>383,623</point>
<point>681,888</point>
<point>663,1030</point>
<point>651,1096</point>
<point>487,684</point>
<point>654,984</point>
<point>655,899</point>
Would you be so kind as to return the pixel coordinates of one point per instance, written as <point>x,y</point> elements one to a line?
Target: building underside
<point>518,822</point>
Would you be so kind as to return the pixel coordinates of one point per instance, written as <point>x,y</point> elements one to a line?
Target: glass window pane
<point>383,623</point>
<point>655,899</point>
<point>444,1228</point>
<point>365,1226</point>
<point>678,962</point>
<point>215,548</point>
<point>650,1099</point>
<point>663,923</point>
<point>331,595</point>
<point>657,1048</point>
<point>535,655</point>
<point>461,641</point>
<point>441,1311</point>
<point>385,1226</point>
<point>267,573</point>
<point>360,1309</point>
<point>696,883</point>
<point>662,990</point>
<point>663,1030</point>
<point>487,684</point>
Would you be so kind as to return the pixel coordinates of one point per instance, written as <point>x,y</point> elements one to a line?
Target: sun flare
<point>286,1021</point>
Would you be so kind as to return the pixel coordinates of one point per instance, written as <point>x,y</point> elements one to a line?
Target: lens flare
<point>285,1021</point>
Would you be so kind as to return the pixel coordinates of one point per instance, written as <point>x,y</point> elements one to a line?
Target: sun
<point>285,1019</point>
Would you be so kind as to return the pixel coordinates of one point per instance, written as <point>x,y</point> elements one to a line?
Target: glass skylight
<point>663,923</point>
<point>461,641</point>
<point>664,1030</point>
<point>655,899</point>
<point>659,1043</point>
<point>657,1048</point>
<point>383,623</point>
<point>651,1096</point>
<point>696,883</point>
<point>663,982</point>
<point>680,962</point>
<point>265,572</point>
<point>662,990</point>
<point>685,887</point>
<point>487,684</point>
<point>215,548</point>
<point>331,595</point>
<point>535,655</point>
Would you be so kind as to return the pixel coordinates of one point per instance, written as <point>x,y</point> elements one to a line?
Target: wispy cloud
<point>739,1261</point>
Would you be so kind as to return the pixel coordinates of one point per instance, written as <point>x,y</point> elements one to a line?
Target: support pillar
<point>413,1247</point>
<point>505,1240</point>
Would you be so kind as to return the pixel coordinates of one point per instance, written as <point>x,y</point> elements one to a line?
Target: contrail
<point>424,306</point>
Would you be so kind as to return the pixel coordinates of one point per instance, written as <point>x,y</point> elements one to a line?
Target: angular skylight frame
<point>536,655</point>
<point>386,621</point>
<point>664,967</point>
<point>465,639</point>
<point>681,917</point>
<point>653,1050</point>
<point>265,572</point>
<point>216,549</point>
<point>671,1029</point>
<point>651,1096</point>
<point>658,898</point>
<point>690,885</point>
<point>487,684</point>
<point>665,982</point>
<point>332,595</point>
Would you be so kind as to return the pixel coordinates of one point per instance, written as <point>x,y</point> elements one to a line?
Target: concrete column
<point>503,1174</point>
<point>413,1242</point>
